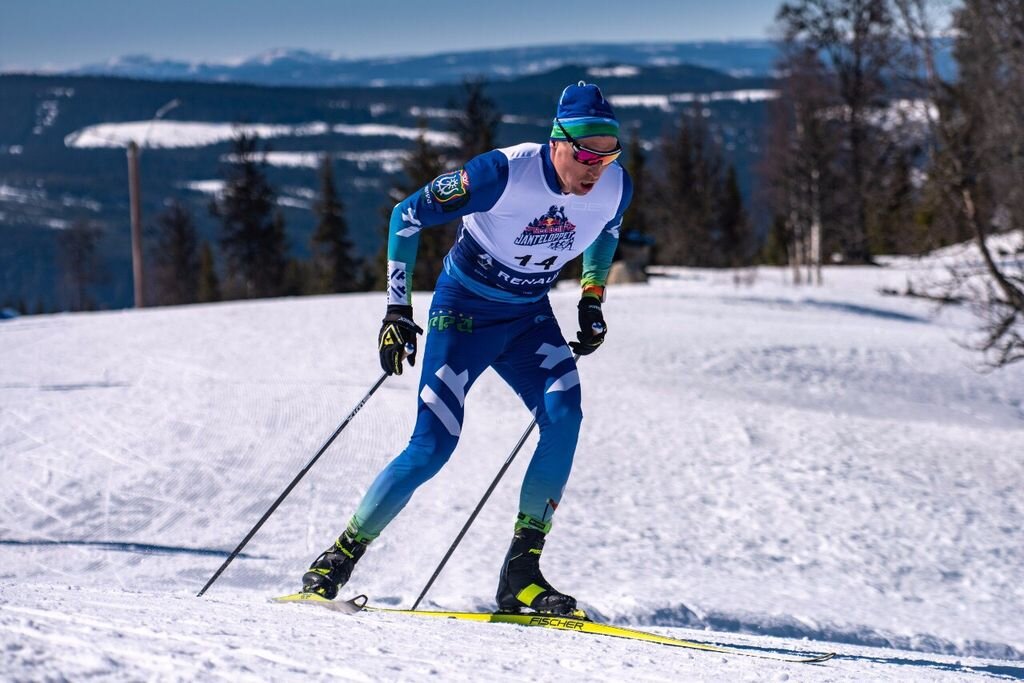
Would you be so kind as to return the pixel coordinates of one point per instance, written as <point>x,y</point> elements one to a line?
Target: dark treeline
<point>839,151</point>
<point>692,205</point>
<point>689,205</point>
<point>870,151</point>
<point>253,248</point>
<point>851,169</point>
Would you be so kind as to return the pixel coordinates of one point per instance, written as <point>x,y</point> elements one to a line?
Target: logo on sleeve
<point>553,230</point>
<point>413,223</point>
<point>451,190</point>
<point>396,282</point>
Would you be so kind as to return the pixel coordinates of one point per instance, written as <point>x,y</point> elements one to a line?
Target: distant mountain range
<point>306,68</point>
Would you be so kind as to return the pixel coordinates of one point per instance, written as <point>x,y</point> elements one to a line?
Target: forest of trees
<point>867,150</point>
<point>871,151</point>
<point>699,219</point>
<point>254,253</point>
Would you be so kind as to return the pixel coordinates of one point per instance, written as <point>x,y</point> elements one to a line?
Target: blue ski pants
<point>467,334</point>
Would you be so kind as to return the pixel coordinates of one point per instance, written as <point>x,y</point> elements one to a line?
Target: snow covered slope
<point>808,468</point>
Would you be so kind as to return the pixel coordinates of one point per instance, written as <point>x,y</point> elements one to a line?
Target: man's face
<point>574,177</point>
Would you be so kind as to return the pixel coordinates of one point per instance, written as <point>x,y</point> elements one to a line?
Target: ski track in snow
<point>805,468</point>
<point>122,635</point>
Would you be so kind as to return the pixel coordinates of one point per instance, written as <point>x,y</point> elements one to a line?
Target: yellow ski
<point>577,624</point>
<point>343,606</point>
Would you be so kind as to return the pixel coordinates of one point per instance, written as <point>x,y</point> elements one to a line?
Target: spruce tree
<point>636,218</point>
<point>705,197</point>
<point>252,233</point>
<point>78,254</point>
<point>423,164</point>
<point>671,232</point>
<point>686,230</point>
<point>176,257</point>
<point>477,125</point>
<point>775,251</point>
<point>299,279</point>
<point>734,228</point>
<point>334,266</point>
<point>208,288</point>
<point>275,257</point>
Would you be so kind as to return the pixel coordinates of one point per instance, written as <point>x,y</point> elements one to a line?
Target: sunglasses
<point>589,157</point>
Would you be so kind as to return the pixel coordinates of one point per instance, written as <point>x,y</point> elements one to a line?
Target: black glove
<point>397,339</point>
<point>592,326</point>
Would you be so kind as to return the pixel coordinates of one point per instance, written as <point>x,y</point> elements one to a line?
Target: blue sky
<point>48,34</point>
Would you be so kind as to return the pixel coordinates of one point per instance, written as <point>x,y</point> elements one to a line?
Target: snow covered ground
<point>178,134</point>
<point>775,466</point>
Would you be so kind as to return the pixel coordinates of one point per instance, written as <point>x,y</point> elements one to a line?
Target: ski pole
<point>295,481</point>
<point>480,505</point>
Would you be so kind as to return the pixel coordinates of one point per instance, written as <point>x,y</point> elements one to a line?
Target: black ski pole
<point>480,505</point>
<point>295,481</point>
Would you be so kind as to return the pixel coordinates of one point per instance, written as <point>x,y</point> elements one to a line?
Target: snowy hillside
<point>808,468</point>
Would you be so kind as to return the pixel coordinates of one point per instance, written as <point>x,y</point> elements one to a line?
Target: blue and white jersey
<point>518,228</point>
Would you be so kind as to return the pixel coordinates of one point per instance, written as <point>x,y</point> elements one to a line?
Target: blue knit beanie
<point>584,112</point>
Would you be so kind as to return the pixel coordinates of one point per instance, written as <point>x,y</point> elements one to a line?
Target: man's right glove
<point>397,339</point>
<point>592,326</point>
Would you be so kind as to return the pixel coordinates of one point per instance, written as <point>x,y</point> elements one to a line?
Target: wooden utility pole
<point>135,201</point>
<point>136,218</point>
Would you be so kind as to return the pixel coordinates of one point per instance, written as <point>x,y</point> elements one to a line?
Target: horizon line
<point>50,69</point>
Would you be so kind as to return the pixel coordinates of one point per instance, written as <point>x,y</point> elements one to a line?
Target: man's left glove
<point>397,339</point>
<point>592,326</point>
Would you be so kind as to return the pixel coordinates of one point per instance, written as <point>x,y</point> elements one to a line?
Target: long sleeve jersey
<point>518,229</point>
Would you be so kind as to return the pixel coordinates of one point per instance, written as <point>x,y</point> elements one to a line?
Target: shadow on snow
<point>840,306</point>
<point>142,548</point>
<point>785,627</point>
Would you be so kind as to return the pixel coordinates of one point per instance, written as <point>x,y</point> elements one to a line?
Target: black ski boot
<point>331,570</point>
<point>521,583</point>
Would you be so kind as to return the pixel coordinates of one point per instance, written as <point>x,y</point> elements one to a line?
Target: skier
<point>526,211</point>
